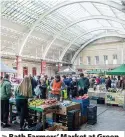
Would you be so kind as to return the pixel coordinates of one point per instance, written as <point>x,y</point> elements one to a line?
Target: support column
<point>19,67</point>
<point>43,67</point>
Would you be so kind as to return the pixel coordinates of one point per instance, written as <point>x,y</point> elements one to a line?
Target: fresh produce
<point>36,102</point>
<point>85,96</point>
<point>113,90</point>
<point>50,101</point>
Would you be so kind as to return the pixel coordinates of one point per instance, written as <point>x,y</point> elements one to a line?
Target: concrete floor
<point>109,118</point>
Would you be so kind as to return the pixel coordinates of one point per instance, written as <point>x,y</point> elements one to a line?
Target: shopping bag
<point>65,94</point>
<point>37,91</point>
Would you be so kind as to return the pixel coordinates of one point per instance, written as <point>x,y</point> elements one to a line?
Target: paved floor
<point>109,118</point>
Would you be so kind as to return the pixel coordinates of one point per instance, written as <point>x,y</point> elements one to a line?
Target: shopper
<point>1,79</point>
<point>51,79</point>
<point>5,96</point>
<point>38,80</point>
<point>56,87</point>
<point>98,80</point>
<point>47,81</point>
<point>33,84</point>
<point>67,82</point>
<point>22,93</point>
<point>83,85</point>
<point>43,89</point>
<point>108,83</point>
<point>73,87</point>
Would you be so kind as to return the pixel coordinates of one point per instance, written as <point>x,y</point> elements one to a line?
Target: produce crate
<point>84,104</point>
<point>114,98</point>
<point>100,101</point>
<point>83,120</point>
<point>64,109</point>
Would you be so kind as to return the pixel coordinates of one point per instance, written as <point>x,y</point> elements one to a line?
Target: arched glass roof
<point>52,29</point>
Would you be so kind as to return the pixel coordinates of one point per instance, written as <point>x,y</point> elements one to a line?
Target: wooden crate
<point>63,110</point>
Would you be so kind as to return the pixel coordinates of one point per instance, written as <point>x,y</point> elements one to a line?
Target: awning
<point>117,71</point>
<point>67,71</point>
<point>5,68</point>
<point>95,72</point>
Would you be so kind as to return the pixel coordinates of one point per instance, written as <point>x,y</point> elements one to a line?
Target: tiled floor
<point>110,118</point>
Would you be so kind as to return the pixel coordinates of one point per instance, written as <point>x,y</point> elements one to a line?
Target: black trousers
<point>4,111</point>
<point>22,109</point>
<point>82,92</point>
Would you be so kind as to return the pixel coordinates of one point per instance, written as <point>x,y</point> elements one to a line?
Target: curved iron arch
<point>92,40</point>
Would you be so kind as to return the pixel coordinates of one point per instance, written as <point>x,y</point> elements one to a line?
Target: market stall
<point>95,72</point>
<point>117,71</point>
<point>62,116</point>
<point>67,113</point>
<point>6,69</point>
<point>67,71</point>
<point>117,97</point>
<point>42,107</point>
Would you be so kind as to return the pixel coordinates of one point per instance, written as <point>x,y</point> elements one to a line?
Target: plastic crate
<point>83,102</point>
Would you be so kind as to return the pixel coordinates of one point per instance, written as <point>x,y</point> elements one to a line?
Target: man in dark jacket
<point>73,87</point>
<point>108,83</point>
<point>83,85</point>
<point>5,96</point>
<point>33,83</point>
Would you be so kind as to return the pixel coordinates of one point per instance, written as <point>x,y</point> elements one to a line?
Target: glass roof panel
<point>104,9</point>
<point>90,24</point>
<point>119,14</point>
<point>105,23</point>
<point>90,8</point>
<point>116,24</point>
<point>74,11</point>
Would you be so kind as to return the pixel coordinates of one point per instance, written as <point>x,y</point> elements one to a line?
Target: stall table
<point>42,112</point>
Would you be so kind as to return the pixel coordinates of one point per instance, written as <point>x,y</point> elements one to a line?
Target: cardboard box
<point>57,128</point>
<point>64,110</point>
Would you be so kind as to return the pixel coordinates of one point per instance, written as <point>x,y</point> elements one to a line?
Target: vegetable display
<point>39,102</point>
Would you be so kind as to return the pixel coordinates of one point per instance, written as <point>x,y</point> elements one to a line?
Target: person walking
<point>43,89</point>
<point>5,96</point>
<point>108,83</point>
<point>56,87</point>
<point>83,85</point>
<point>73,87</point>
<point>33,84</point>
<point>22,93</point>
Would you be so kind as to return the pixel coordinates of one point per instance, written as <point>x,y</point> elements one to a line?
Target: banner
<point>62,134</point>
<point>43,67</point>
